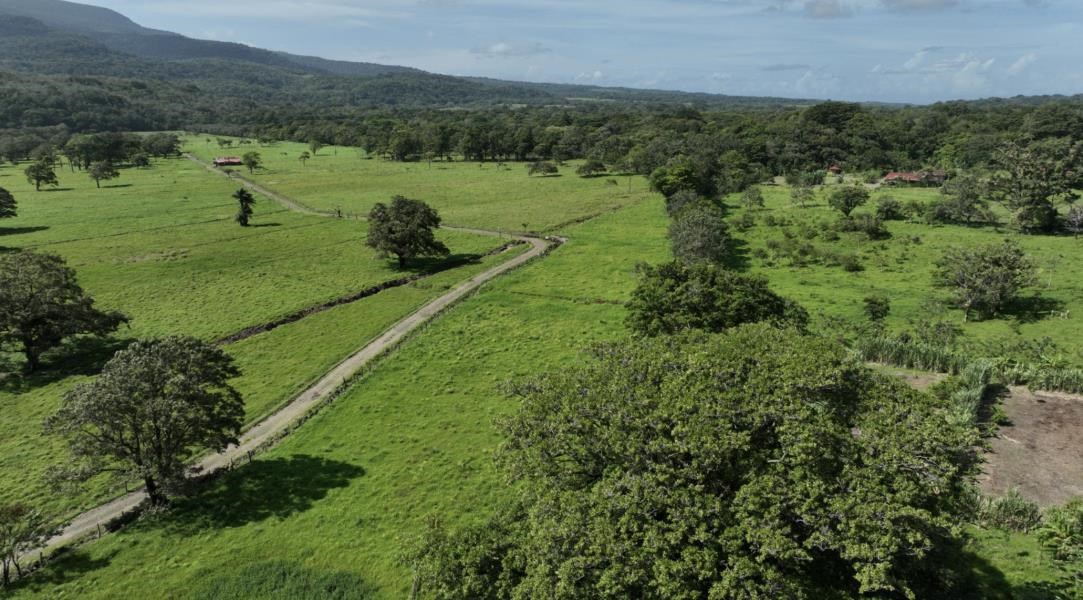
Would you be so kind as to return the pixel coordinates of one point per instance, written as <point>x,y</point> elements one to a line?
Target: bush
<point>877,307</point>
<point>542,167</point>
<point>869,225</point>
<point>890,209</point>
<point>1010,512</point>
<point>1062,533</point>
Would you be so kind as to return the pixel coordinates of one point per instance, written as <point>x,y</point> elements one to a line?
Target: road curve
<point>277,424</point>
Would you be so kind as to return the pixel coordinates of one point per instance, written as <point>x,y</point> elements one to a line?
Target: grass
<point>415,437</point>
<point>486,195</point>
<point>901,267</point>
<point>166,252</point>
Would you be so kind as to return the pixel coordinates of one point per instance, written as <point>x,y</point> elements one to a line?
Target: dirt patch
<point>915,379</point>
<point>1041,452</point>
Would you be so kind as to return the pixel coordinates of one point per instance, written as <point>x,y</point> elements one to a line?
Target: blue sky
<point>885,50</point>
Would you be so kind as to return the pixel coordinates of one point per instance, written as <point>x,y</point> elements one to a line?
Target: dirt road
<point>276,425</point>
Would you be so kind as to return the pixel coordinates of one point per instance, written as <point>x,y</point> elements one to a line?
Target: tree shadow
<point>83,355</point>
<point>20,230</point>
<point>56,189</point>
<point>737,255</point>
<point>264,489</point>
<point>1031,309</point>
<point>116,185</point>
<point>435,264</point>
<point>262,225</point>
<point>64,566</point>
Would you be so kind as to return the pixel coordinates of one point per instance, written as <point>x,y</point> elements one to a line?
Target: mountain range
<point>52,44</point>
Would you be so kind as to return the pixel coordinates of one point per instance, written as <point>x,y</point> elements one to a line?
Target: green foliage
<point>985,279</point>
<point>8,206</point>
<point>1061,533</point>
<point>405,230</point>
<point>760,463</point>
<point>103,170</point>
<point>877,308</point>
<point>802,195</point>
<point>1030,179</point>
<point>699,233</point>
<point>681,200</point>
<point>847,198</point>
<point>1010,512</point>
<point>591,168</point>
<point>245,201</point>
<point>675,297</point>
<point>1073,221</point>
<point>962,203</point>
<point>155,404</point>
<point>41,173</point>
<point>871,226</point>
<point>41,304</point>
<point>22,530</point>
<point>141,160</point>
<point>889,209</point>
<point>542,167</point>
<point>752,198</point>
<point>252,161</point>
<point>278,580</point>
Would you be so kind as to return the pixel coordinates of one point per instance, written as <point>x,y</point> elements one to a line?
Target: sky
<point>868,50</point>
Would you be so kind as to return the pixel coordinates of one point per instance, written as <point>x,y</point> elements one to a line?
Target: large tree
<point>756,464</point>
<point>155,404</point>
<point>847,198</point>
<point>103,170</point>
<point>699,233</point>
<point>674,297</point>
<point>1031,179</point>
<point>8,205</point>
<point>41,304</point>
<point>405,230</point>
<point>985,279</point>
<point>41,173</point>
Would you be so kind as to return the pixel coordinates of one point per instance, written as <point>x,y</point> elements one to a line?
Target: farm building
<point>835,170</point>
<point>227,161</point>
<point>922,178</point>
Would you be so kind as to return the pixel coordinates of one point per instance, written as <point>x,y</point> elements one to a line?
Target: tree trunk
<point>98,182</point>
<point>155,495</point>
<point>402,261</point>
<point>33,358</point>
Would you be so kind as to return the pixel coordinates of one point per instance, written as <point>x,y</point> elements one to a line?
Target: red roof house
<point>227,161</point>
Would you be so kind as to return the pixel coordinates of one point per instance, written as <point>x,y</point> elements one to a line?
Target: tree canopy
<point>8,206</point>
<point>245,201</point>
<point>699,233</point>
<point>103,170</point>
<point>155,404</point>
<point>405,230</point>
<point>847,198</point>
<point>675,297</point>
<point>41,304</point>
<point>985,279</point>
<point>755,464</point>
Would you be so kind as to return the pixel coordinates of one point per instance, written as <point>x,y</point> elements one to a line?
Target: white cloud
<point>1022,63</point>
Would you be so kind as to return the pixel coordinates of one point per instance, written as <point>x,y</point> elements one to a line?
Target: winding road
<point>280,423</point>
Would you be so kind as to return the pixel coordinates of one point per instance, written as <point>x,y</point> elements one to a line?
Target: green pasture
<point>485,195</point>
<point>165,250</point>
<point>901,268</point>
<point>415,438</point>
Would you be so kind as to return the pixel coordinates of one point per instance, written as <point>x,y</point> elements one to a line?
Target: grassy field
<point>414,438</point>
<point>901,267</point>
<point>486,195</point>
<point>165,250</point>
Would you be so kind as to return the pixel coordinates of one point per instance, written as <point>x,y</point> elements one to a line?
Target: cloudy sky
<point>887,50</point>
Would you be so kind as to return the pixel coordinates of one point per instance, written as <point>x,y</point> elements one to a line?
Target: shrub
<point>877,307</point>
<point>889,209</point>
<point>869,225</point>
<point>1010,512</point>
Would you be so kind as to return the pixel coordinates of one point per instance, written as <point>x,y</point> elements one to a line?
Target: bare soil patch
<point>1041,451</point>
